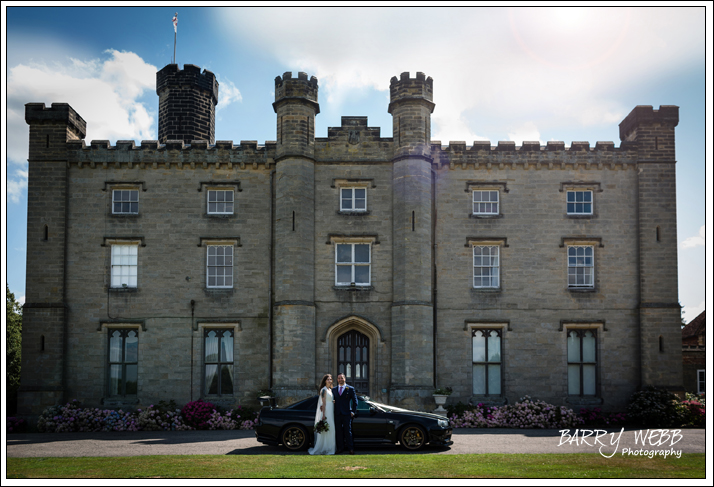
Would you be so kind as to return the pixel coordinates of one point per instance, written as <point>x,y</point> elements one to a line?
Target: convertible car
<point>374,424</point>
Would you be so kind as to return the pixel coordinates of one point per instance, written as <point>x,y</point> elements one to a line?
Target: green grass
<point>584,465</point>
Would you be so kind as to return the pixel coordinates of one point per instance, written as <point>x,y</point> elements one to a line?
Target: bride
<point>325,443</point>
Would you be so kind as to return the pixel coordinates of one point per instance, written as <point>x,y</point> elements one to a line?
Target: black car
<point>374,424</point>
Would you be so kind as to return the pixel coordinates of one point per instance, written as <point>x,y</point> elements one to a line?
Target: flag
<point>175,21</point>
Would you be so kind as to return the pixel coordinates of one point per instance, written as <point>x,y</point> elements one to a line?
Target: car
<point>374,424</point>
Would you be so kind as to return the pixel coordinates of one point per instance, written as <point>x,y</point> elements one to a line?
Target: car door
<point>370,424</point>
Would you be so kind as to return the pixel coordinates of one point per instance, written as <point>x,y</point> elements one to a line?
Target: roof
<point>695,327</point>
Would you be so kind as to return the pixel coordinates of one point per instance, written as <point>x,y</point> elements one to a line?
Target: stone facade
<point>416,233</point>
<point>694,354</point>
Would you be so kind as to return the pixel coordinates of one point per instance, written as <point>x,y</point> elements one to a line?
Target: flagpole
<point>174,48</point>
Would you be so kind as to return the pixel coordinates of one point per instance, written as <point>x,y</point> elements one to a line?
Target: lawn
<point>585,465</point>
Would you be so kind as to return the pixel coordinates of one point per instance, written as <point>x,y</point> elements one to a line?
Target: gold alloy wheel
<point>294,437</point>
<point>413,437</point>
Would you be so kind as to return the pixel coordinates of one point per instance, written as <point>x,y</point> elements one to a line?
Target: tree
<point>14,347</point>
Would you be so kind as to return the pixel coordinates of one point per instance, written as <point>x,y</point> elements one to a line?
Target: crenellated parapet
<point>288,87</point>
<point>554,155</point>
<point>173,154</point>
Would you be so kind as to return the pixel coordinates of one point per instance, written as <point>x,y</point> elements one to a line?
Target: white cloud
<point>227,93</point>
<point>105,93</point>
<point>492,67</point>
<point>695,241</point>
<point>17,186</point>
<point>691,312</point>
<point>21,300</point>
<point>526,132</point>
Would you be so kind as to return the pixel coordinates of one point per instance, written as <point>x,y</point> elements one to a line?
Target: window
<point>485,202</point>
<point>701,379</point>
<point>353,199</point>
<point>580,202</point>
<point>125,201</point>
<point>219,268</point>
<point>124,265</point>
<point>220,201</point>
<point>582,362</point>
<point>486,266</point>
<point>123,361</point>
<point>218,361</point>
<point>486,345</point>
<point>352,264</point>
<point>581,267</point>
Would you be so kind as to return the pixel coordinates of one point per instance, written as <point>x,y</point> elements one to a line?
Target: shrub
<point>596,417</point>
<point>16,425</point>
<point>656,407</point>
<point>457,409</point>
<point>164,416</point>
<point>693,411</point>
<point>197,414</point>
<point>527,413</point>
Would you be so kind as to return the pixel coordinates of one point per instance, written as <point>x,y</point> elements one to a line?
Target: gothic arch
<point>365,327</point>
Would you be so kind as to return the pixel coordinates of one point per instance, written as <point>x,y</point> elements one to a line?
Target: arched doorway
<point>353,359</point>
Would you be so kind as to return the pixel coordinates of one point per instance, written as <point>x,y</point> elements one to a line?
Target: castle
<point>189,268</point>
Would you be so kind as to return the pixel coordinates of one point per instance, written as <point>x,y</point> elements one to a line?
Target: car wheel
<point>294,437</point>
<point>413,437</point>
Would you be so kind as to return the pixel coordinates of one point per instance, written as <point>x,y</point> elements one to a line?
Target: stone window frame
<point>216,189</point>
<point>500,329</point>
<point>347,240</point>
<point>701,380</point>
<point>120,189</point>
<point>113,186</point>
<point>490,202</point>
<point>116,243</point>
<point>592,187</point>
<point>498,186</point>
<point>474,242</point>
<point>122,328</point>
<point>205,329</point>
<point>352,184</point>
<point>580,328</point>
<point>219,243</point>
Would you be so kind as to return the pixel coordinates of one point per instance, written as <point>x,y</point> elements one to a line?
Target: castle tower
<point>44,320</point>
<point>294,307</point>
<point>412,311</point>
<point>660,321</point>
<point>187,103</point>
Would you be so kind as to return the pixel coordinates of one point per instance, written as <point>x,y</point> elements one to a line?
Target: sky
<point>500,74</point>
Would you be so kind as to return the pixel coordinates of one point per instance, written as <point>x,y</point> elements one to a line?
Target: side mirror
<point>372,411</point>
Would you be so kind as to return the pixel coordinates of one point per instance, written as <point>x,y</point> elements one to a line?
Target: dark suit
<point>345,404</point>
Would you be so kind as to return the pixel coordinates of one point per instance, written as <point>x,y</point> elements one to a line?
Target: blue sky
<point>569,74</point>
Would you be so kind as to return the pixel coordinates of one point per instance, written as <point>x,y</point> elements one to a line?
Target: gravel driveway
<point>244,443</point>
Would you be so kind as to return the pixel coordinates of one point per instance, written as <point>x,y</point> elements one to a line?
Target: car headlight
<point>443,423</point>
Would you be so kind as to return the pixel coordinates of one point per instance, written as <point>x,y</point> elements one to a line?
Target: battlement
<point>643,115</point>
<point>532,146</point>
<point>59,113</point>
<point>406,87</point>
<point>300,87</point>
<point>172,76</point>
<point>354,128</point>
<point>176,153</point>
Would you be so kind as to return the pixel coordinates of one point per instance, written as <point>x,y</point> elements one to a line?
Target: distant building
<point>189,268</point>
<point>694,354</point>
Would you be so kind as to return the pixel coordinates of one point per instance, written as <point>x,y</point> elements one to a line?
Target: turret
<point>411,106</point>
<point>294,308</point>
<point>412,310</point>
<point>660,322</point>
<point>296,106</point>
<point>44,321</point>
<point>187,103</point>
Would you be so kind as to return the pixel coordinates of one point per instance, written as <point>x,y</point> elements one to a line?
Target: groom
<point>345,409</point>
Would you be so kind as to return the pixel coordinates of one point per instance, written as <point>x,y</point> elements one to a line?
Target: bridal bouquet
<point>322,426</point>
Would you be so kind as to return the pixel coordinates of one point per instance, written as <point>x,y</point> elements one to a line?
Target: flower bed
<point>163,417</point>
<point>526,413</point>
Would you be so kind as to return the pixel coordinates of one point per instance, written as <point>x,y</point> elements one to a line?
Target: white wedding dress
<point>325,443</point>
